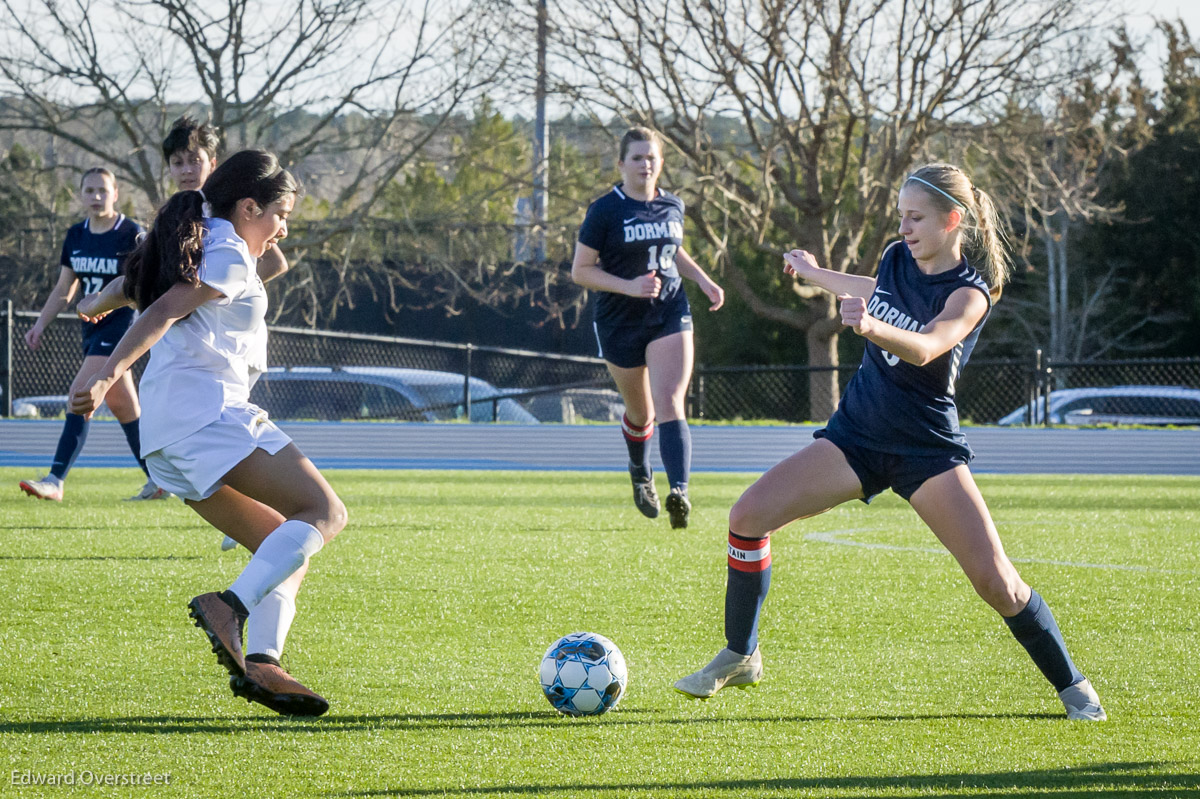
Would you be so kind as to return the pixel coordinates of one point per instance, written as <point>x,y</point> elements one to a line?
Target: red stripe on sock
<point>752,555</point>
<point>635,433</point>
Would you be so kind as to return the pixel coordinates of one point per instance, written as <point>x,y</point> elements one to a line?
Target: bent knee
<point>1005,593</point>
<point>335,518</point>
<point>745,522</point>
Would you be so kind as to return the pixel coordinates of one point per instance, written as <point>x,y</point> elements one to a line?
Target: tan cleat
<point>727,670</point>
<point>267,683</point>
<point>219,621</point>
<point>1082,702</point>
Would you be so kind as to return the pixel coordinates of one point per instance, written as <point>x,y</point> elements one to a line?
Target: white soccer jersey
<point>207,361</point>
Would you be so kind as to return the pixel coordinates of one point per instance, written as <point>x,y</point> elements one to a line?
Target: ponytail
<point>984,230</point>
<point>170,253</point>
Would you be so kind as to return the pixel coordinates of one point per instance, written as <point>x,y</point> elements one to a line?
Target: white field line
<point>841,538</point>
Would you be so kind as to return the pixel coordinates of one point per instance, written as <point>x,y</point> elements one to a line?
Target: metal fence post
<point>8,358</point>
<point>1034,394</point>
<point>699,399</point>
<point>467,383</point>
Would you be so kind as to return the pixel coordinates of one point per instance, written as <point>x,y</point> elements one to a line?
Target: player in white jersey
<point>203,318</point>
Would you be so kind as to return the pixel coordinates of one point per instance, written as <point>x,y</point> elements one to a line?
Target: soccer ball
<point>583,674</point>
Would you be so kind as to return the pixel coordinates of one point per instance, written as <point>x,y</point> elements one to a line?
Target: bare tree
<point>1048,157</point>
<point>346,92</point>
<point>797,119</point>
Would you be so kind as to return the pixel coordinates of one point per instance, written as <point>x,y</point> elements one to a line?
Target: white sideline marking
<point>838,537</point>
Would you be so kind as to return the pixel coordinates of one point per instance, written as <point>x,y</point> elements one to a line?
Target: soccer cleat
<point>219,621</point>
<point>1082,702</point>
<point>150,491</point>
<point>727,670</point>
<point>227,544</point>
<point>43,489</point>
<point>266,683</point>
<point>644,495</point>
<point>678,508</point>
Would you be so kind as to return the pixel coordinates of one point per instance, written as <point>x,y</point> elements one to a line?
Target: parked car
<point>1148,405</point>
<point>575,404</point>
<point>378,392</point>
<point>49,406</point>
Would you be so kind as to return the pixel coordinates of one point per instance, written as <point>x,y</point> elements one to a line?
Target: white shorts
<point>192,468</point>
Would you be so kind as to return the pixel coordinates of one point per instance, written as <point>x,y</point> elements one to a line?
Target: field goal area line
<point>839,538</point>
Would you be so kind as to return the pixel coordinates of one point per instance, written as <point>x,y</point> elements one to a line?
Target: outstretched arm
<point>95,307</point>
<point>688,268</point>
<point>179,301</point>
<point>964,309</point>
<point>801,264</point>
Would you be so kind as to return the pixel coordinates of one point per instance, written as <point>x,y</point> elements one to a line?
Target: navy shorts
<point>878,471</point>
<point>101,339</point>
<point>625,345</point>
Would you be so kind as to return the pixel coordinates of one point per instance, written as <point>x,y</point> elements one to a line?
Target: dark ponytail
<point>170,253</point>
<point>174,249</point>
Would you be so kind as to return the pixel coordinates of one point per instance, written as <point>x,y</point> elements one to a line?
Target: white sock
<point>269,622</point>
<point>286,549</point>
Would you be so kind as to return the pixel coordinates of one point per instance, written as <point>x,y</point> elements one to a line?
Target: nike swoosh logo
<point>881,291</point>
<point>627,221</point>
<point>105,343</point>
<point>76,252</point>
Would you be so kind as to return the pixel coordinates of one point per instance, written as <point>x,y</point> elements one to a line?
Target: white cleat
<point>150,491</point>
<point>1082,703</point>
<point>727,670</point>
<point>46,488</point>
<point>227,544</point>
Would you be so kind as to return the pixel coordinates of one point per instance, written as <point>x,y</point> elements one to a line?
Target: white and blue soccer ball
<point>583,674</point>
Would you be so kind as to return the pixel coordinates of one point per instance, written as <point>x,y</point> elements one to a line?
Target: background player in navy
<point>93,255</point>
<point>630,251</point>
<point>897,427</point>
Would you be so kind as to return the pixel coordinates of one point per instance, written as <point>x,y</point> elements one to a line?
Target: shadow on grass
<point>101,557</point>
<point>1099,779</point>
<point>205,725</point>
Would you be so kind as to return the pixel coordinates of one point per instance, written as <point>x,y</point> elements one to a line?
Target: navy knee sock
<point>1035,629</point>
<point>134,437</point>
<point>749,581</point>
<point>675,447</point>
<point>70,444</point>
<point>636,439</point>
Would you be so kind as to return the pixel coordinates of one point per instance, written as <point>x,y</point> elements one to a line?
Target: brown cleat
<point>221,624</point>
<point>268,684</point>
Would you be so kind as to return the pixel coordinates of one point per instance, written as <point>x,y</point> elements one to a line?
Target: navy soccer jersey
<point>99,259</point>
<point>897,407</point>
<point>633,238</point>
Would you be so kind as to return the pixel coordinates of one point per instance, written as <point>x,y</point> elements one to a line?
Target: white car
<point>1148,405</point>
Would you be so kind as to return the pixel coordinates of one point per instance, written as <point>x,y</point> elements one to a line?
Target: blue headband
<point>939,191</point>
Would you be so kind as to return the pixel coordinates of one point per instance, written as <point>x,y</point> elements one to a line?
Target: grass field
<point>424,622</point>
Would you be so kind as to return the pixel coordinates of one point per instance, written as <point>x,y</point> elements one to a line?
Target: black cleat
<point>679,508</point>
<point>645,497</point>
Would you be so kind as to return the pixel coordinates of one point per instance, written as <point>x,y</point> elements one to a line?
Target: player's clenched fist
<point>854,313</point>
<point>646,286</point>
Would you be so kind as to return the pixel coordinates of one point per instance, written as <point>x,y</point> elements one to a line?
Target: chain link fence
<point>332,376</point>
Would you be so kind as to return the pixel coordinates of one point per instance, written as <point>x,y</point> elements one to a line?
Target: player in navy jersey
<point>93,255</point>
<point>897,427</point>
<point>630,252</point>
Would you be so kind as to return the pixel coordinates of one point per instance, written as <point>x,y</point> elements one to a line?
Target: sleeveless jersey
<point>97,259</point>
<point>897,407</point>
<point>633,238</point>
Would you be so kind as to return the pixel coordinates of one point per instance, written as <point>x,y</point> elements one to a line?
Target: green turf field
<point>424,623</point>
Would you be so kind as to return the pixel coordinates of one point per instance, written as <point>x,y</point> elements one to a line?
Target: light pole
<point>541,155</point>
